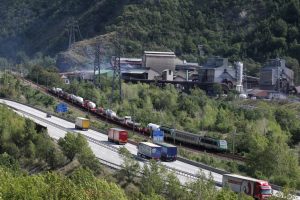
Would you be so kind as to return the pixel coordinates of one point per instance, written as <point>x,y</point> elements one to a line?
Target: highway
<point>103,149</point>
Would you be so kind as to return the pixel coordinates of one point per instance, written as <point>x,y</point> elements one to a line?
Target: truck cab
<point>258,189</point>
<point>262,190</point>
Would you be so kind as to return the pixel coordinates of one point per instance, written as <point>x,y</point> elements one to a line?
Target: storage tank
<point>153,127</point>
<point>73,97</point>
<point>91,105</point>
<point>110,113</point>
<point>58,90</point>
<point>239,83</point>
<point>79,99</point>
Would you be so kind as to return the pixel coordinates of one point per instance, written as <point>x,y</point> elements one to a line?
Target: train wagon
<point>194,139</point>
<point>117,135</point>
<point>149,150</point>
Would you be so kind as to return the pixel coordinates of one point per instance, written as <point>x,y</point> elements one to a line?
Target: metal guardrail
<point>179,172</point>
<point>109,164</point>
<point>202,166</point>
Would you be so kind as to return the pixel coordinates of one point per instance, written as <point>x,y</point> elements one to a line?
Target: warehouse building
<point>218,70</point>
<point>157,62</point>
<point>274,75</point>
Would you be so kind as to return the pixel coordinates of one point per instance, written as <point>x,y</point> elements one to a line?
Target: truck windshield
<point>266,191</point>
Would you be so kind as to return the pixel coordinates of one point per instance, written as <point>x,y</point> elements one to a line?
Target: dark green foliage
<point>45,76</point>
<point>20,140</point>
<point>41,26</point>
<point>9,162</point>
<point>76,145</point>
<point>81,185</point>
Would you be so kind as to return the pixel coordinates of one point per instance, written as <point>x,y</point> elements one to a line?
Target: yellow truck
<point>82,123</point>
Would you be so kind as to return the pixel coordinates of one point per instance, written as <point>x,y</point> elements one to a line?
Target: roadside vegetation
<point>71,156</point>
<point>266,133</point>
<point>33,166</point>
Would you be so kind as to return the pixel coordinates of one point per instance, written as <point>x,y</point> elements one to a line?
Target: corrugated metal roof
<point>159,52</point>
<point>136,71</point>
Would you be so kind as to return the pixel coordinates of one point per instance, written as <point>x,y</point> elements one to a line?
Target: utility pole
<point>73,30</point>
<point>117,77</point>
<point>233,138</point>
<point>97,65</point>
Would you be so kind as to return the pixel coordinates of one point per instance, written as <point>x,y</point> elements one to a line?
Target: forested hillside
<point>41,26</point>
<point>236,29</point>
<point>254,29</point>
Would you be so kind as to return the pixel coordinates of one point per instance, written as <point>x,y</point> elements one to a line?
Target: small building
<point>185,71</point>
<point>65,79</point>
<point>267,94</point>
<point>167,75</point>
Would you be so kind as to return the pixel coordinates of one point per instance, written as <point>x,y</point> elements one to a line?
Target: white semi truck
<point>256,188</point>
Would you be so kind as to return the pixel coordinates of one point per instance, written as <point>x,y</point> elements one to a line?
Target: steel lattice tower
<point>73,30</point>
<point>117,77</point>
<point>97,65</point>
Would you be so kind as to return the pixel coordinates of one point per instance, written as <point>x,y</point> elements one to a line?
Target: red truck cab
<point>256,188</point>
<point>262,190</point>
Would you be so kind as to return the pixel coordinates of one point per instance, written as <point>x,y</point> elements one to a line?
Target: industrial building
<point>218,70</point>
<point>157,62</point>
<point>274,75</point>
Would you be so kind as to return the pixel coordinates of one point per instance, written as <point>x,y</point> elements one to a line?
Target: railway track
<point>224,156</point>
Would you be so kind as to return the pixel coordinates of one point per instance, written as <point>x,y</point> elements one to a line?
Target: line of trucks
<point>258,189</point>
<point>160,150</point>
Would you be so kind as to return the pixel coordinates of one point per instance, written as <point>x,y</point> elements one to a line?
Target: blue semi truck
<point>149,150</point>
<point>168,152</point>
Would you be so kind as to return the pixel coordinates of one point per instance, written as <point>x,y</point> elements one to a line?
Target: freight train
<point>126,122</point>
<point>194,139</point>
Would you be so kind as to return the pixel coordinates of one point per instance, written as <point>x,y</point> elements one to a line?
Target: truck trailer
<point>168,151</point>
<point>82,123</point>
<point>117,135</point>
<point>149,150</point>
<point>258,189</point>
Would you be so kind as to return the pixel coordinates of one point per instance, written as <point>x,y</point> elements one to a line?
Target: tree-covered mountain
<point>41,26</point>
<point>235,29</point>
<point>249,30</point>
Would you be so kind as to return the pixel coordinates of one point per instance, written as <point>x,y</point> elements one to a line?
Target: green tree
<point>69,145</point>
<point>130,168</point>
